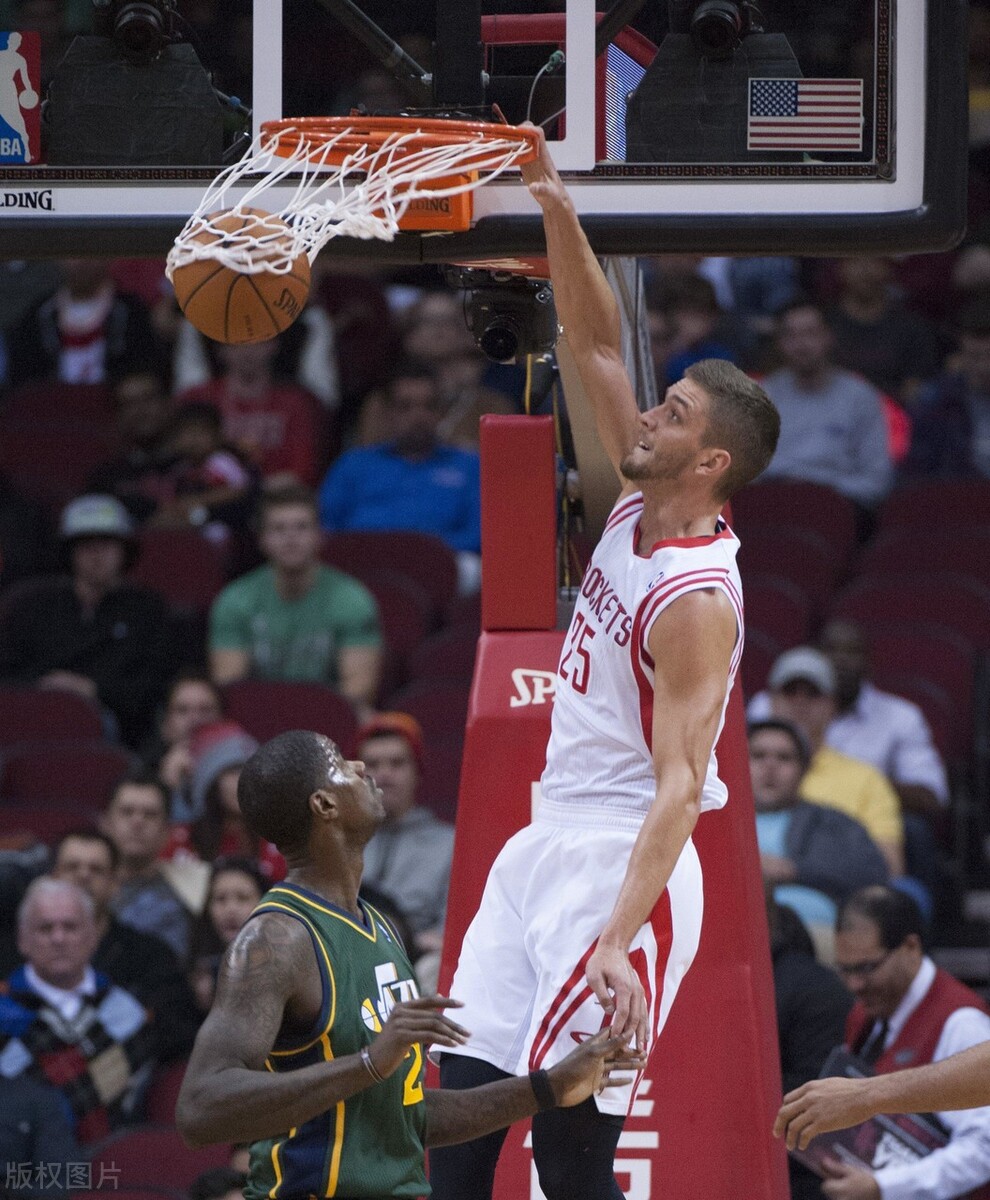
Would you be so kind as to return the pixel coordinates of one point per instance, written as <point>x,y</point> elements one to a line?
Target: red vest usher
<point>916,1042</point>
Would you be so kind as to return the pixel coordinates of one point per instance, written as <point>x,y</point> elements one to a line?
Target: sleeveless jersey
<point>600,748</point>
<point>370,1144</point>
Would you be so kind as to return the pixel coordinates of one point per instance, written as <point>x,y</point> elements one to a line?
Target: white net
<point>261,230</point>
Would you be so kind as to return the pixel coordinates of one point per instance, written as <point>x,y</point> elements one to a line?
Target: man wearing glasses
<point>908,1012</point>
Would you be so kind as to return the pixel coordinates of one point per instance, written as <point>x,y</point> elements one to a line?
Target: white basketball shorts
<point>548,896</point>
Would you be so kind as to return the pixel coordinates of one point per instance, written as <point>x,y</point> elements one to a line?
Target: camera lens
<point>499,340</point>
<point>140,30</point>
<point>716,28</point>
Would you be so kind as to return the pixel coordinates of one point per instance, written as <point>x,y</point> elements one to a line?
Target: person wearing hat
<point>812,856</point>
<point>408,858</point>
<point>801,689</point>
<point>93,632</point>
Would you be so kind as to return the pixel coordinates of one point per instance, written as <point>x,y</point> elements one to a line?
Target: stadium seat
<point>32,714</point>
<point>152,1156</point>
<point>942,598</point>
<point>52,461</point>
<point>183,566</point>
<point>424,558</point>
<point>440,708</point>
<point>794,504</point>
<point>447,655</point>
<point>802,556</point>
<point>465,611</point>
<point>52,402</point>
<point>929,652</point>
<point>75,772</point>
<point>777,607</point>
<point>759,652</point>
<point>961,551</point>
<point>406,614</point>
<point>164,1092</point>
<point>266,707</point>
<point>942,504</point>
<point>442,775</point>
<point>46,821</point>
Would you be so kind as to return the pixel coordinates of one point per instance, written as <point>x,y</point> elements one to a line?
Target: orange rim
<point>354,133</point>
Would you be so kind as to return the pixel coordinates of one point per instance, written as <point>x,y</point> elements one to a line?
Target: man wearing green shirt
<point>295,618</point>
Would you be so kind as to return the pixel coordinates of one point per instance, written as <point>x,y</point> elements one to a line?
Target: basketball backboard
<point>827,128</point>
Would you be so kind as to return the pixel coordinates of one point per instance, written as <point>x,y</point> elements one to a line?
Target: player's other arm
<point>959,1082</point>
<point>227,1094</point>
<point>691,643</point>
<point>587,310</point>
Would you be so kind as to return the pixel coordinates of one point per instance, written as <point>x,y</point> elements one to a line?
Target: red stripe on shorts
<point>544,1035</point>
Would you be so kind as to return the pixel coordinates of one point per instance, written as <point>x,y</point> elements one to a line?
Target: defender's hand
<point>602,1061</point>
<point>849,1183</point>
<point>419,1020</point>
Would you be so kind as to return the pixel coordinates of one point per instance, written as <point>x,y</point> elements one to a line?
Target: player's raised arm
<point>691,643</point>
<point>587,310</point>
<point>270,970</point>
<point>959,1082</point>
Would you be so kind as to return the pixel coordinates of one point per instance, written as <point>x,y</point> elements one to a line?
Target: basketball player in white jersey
<point>592,914</point>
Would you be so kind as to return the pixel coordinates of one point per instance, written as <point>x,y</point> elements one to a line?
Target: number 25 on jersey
<point>575,666</point>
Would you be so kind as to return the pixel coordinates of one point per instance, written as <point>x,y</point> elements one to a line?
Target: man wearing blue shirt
<point>413,481</point>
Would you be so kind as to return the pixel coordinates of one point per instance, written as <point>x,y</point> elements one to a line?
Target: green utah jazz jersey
<point>372,1143</point>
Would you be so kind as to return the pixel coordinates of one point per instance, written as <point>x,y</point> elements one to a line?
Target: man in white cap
<point>92,632</point>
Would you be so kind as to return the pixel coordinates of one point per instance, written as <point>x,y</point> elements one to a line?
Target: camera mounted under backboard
<point>717,27</point>
<point>142,28</point>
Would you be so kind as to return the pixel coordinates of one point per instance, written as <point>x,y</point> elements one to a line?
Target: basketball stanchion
<point>240,266</point>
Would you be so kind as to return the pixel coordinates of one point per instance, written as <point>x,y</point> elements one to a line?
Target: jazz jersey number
<point>575,666</point>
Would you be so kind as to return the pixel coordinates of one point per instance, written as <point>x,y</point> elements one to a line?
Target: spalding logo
<point>532,687</point>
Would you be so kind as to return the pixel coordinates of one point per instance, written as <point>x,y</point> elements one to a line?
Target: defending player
<point>958,1082</point>
<point>593,913</point>
<point>312,1050</point>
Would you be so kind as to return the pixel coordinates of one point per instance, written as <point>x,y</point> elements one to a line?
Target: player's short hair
<point>895,914</point>
<point>292,494</point>
<point>741,419</point>
<point>276,783</point>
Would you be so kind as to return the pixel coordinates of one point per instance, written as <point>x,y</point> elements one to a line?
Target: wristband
<point>376,1075</point>
<point>539,1081</point>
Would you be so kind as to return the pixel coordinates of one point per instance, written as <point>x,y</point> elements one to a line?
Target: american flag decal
<point>805,114</point>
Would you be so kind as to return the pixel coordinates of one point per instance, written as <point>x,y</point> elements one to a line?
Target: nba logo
<point>20,114</point>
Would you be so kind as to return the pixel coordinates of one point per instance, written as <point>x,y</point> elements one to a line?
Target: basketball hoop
<point>417,173</point>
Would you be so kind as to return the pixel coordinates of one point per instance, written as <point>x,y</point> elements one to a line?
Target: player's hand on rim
<point>411,1021</point>
<point>541,176</point>
<point>619,991</point>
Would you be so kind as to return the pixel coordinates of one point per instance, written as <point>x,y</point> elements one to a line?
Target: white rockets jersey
<point>601,730</point>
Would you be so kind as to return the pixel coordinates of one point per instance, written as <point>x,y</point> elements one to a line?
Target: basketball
<point>28,98</point>
<point>233,306</point>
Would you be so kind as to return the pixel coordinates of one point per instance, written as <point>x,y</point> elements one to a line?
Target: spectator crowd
<point>201,545</point>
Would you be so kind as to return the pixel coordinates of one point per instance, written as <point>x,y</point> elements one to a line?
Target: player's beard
<point>657,467</point>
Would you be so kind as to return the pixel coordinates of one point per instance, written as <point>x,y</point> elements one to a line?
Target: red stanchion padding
<point>518,523</point>
<point>700,1127</point>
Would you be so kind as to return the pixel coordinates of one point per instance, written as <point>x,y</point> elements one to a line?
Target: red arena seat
<point>943,598</point>
<point>183,566</point>
<point>32,714</point>
<point>424,558</point>
<point>794,504</point>
<point>82,772</point>
<point>267,707</point>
